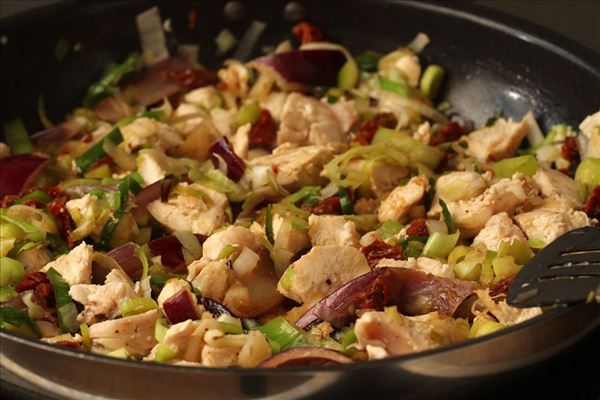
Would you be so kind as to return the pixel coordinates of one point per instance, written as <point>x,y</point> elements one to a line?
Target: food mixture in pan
<point>306,206</point>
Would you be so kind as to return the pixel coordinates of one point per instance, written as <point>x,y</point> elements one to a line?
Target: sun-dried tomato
<point>592,204</point>
<point>57,207</point>
<point>34,203</point>
<point>31,280</point>
<point>378,250</point>
<point>330,205</point>
<point>449,133</point>
<point>264,131</point>
<point>569,150</point>
<point>418,228</point>
<point>368,129</point>
<point>8,200</point>
<point>44,292</point>
<point>501,287</point>
<point>69,344</point>
<point>307,32</point>
<point>444,162</point>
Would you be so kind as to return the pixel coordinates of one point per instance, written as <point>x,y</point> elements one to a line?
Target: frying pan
<point>494,63</point>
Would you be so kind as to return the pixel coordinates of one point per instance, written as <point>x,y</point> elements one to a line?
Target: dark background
<point>575,374</point>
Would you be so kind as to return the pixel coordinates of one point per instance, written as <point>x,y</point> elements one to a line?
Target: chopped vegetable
<point>248,114</point>
<point>527,165</point>
<point>348,75</point>
<point>285,334</point>
<point>17,321</point>
<point>65,308</point>
<point>447,216</point>
<point>11,271</point>
<point>96,152</point>
<point>345,202</point>
<point>400,88</point>
<point>368,60</point>
<point>17,137</point>
<point>431,81</point>
<point>587,176</point>
<point>390,228</point>
<point>134,306</point>
<point>469,270</point>
<point>440,245</point>
<point>413,149</point>
<point>225,41</point>
<point>99,90</point>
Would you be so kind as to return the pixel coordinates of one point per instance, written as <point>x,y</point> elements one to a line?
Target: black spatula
<point>565,272</point>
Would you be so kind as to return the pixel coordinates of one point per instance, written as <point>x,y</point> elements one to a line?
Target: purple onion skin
<point>147,195</point>
<point>179,308</point>
<point>53,135</point>
<point>414,292</point>
<point>125,257</point>
<point>215,308</point>
<point>169,250</point>
<point>235,165</point>
<point>17,172</point>
<point>305,356</point>
<point>309,67</point>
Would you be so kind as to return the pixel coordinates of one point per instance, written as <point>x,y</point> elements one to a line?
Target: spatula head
<point>565,272</point>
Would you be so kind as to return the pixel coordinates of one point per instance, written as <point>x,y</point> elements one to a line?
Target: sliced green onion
<point>400,88</point>
<point>17,137</point>
<point>228,327</point>
<point>447,216</point>
<point>299,223</point>
<point>86,340</point>
<point>250,324</point>
<point>536,244</point>
<point>119,353</point>
<point>285,334</point>
<point>505,267</point>
<point>458,254</point>
<point>269,225</point>
<point>102,171</point>
<point>225,41</point>
<point>416,151</point>
<point>527,165</point>
<point>11,271</point>
<point>96,152</point>
<point>135,306</point>
<point>141,254</point>
<point>248,114</point>
<point>348,75</point>
<point>390,228</point>
<point>227,251</point>
<point>346,205</point>
<point>10,231</point>
<point>482,326</point>
<point>66,310</point>
<point>440,244</point>
<point>6,293</point>
<point>468,270</point>
<point>587,176</point>
<point>18,321</point>
<point>364,222</point>
<point>160,330</point>
<point>38,195</point>
<point>487,274</point>
<point>287,278</point>
<point>368,61</point>
<point>164,353</point>
<point>431,81</point>
<point>99,90</point>
<point>348,339</point>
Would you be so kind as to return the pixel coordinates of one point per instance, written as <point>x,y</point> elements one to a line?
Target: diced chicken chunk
<point>397,205</point>
<point>223,120</point>
<point>455,186</point>
<point>496,142</point>
<point>153,165</point>
<point>274,104</point>
<point>235,235</point>
<point>135,334</point>
<point>288,240</point>
<point>34,259</point>
<point>185,339</point>
<point>332,230</point>
<point>590,127</point>
<point>321,271</point>
<point>297,167</point>
<point>76,266</point>
<point>202,213</point>
<point>206,97</point>
<point>241,140</point>
<point>235,77</point>
<point>103,300</point>
<point>89,214</point>
<point>149,131</point>
<point>470,216</point>
<point>389,334</point>
<point>504,313</point>
<point>553,183</point>
<point>424,264</point>
<point>547,223</point>
<point>219,357</point>
<point>305,120</point>
<point>410,68</point>
<point>346,112</point>
<point>500,228</point>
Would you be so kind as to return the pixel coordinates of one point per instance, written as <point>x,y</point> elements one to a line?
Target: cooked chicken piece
<point>297,167</point>
<point>153,165</point>
<point>34,259</point>
<point>397,205</point>
<point>470,216</point>
<point>185,339</point>
<point>201,214</point>
<point>496,142</point>
<point>149,131</point>
<point>274,104</point>
<point>241,141</point>
<point>551,220</point>
<point>246,296</point>
<point>235,77</point>
<point>423,133</point>
<point>391,334</point>
<point>135,334</point>
<point>256,349</point>
<point>76,266</point>
<point>504,313</point>
<point>424,264</point>
<point>223,120</point>
<point>4,150</point>
<point>383,177</point>
<point>89,214</point>
<point>590,140</point>
<point>346,112</point>
<point>553,183</point>
<point>199,135</point>
<point>206,97</point>
<point>499,228</point>
<point>102,301</point>
<point>65,338</point>
<point>410,68</point>
<point>288,241</point>
<point>455,186</point>
<point>332,230</point>
<point>175,286</point>
<point>219,357</point>
<point>48,329</point>
<point>188,124</point>
<point>321,271</point>
<point>305,120</point>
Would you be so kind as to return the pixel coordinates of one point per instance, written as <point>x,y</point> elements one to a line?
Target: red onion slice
<point>308,67</point>
<point>305,356</point>
<point>214,307</point>
<point>127,260</point>
<point>414,292</point>
<point>235,165</point>
<point>169,249</point>
<point>18,172</point>
<point>179,308</point>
